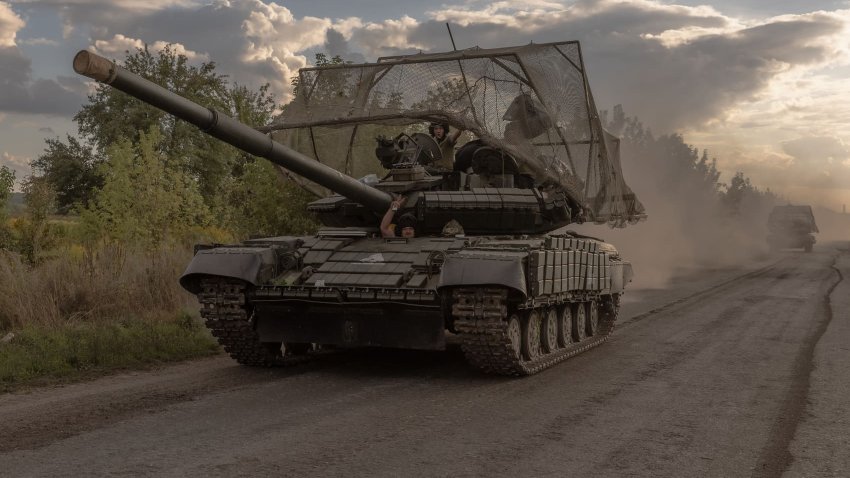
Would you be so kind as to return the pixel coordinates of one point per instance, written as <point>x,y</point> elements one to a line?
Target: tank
<point>491,266</point>
<point>791,227</point>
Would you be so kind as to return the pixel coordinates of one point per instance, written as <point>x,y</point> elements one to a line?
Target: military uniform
<point>447,148</point>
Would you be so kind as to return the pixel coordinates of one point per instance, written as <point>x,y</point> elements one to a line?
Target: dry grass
<point>109,283</point>
<point>85,313</point>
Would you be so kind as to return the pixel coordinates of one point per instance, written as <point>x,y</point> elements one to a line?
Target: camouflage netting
<point>531,102</point>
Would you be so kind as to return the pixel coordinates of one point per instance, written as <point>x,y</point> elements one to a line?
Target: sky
<point>763,85</point>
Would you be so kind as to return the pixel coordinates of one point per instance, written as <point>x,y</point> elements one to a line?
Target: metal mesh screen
<point>531,102</point>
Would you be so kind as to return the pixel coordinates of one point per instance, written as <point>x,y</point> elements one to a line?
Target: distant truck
<point>791,227</point>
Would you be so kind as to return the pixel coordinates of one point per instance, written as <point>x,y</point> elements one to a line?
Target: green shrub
<point>75,350</point>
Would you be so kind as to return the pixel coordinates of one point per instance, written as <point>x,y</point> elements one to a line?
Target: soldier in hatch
<point>442,134</point>
<point>406,223</point>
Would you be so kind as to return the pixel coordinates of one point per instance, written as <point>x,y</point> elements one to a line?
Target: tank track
<point>228,316</point>
<point>481,319</point>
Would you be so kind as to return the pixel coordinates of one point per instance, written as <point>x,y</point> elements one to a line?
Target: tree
<point>707,172</point>
<point>266,205</point>
<point>7,180</point>
<point>71,170</point>
<point>145,199</point>
<point>742,197</point>
<point>35,232</point>
<point>628,128</point>
<point>327,85</point>
<point>112,116</point>
<point>451,94</point>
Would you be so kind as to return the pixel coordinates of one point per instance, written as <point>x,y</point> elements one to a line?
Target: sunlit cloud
<point>10,25</point>
<point>120,44</point>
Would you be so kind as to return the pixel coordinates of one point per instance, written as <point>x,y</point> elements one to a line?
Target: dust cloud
<point>689,225</point>
<point>834,227</point>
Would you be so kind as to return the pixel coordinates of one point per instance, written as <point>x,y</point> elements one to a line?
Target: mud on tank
<point>518,291</point>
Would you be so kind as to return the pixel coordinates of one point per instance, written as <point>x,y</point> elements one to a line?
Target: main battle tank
<point>490,267</point>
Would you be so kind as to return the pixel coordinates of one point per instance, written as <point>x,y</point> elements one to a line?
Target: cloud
<point>20,164</point>
<point>94,12</point>
<point>19,92</point>
<point>673,66</point>
<point>10,24</point>
<point>119,44</point>
<point>685,65</point>
<point>390,37</point>
<point>39,41</point>
<point>823,150</point>
<point>337,45</point>
<point>252,41</point>
<point>714,63</point>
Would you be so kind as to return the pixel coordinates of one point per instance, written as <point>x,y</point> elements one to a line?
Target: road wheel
<point>565,325</point>
<point>531,335</point>
<point>549,330</point>
<point>592,318</point>
<point>579,322</point>
<point>515,334</point>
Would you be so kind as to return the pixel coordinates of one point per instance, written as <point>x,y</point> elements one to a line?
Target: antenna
<point>463,75</point>
<point>451,36</point>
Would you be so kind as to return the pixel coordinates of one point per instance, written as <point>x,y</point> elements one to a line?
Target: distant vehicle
<point>791,227</point>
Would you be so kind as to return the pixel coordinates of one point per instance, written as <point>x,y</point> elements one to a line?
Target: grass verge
<point>45,354</point>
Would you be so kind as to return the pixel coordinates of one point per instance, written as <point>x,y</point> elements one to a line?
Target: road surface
<point>727,372</point>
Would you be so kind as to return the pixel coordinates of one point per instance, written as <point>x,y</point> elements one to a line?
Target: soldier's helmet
<point>431,127</point>
<point>406,220</point>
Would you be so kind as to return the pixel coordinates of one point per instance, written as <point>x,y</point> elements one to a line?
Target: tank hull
<point>287,293</point>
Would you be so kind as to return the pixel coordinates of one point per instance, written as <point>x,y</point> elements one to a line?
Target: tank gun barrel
<point>229,130</point>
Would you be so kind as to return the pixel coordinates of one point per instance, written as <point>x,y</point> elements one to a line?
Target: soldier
<point>406,223</point>
<point>446,138</point>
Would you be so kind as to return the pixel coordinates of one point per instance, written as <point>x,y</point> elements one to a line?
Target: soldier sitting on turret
<point>442,134</point>
<point>406,223</point>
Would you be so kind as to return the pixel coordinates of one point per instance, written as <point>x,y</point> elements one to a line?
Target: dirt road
<point>725,373</point>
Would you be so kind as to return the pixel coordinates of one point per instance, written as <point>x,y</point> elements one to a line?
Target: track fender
<point>250,264</point>
<point>471,269</point>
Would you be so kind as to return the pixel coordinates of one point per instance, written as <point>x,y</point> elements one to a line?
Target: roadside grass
<point>88,311</point>
<point>39,354</point>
